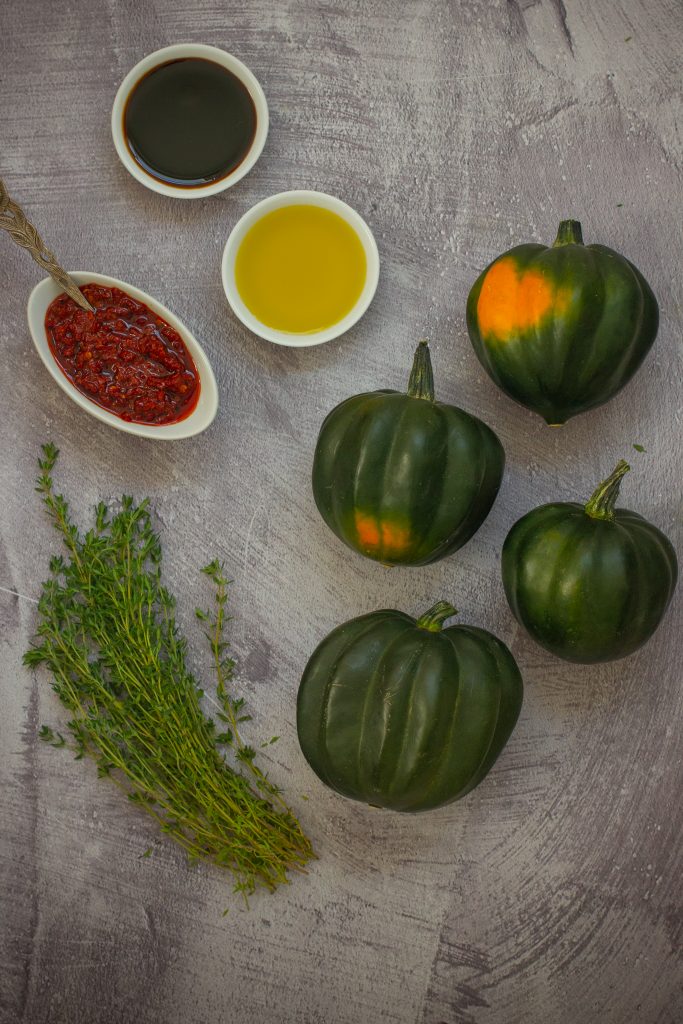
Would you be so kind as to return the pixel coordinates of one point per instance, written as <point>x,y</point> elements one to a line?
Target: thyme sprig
<point>107,633</point>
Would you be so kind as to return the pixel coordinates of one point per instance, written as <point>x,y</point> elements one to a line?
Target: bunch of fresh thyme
<point>108,635</point>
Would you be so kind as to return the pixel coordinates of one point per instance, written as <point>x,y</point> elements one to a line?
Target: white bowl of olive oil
<point>300,268</point>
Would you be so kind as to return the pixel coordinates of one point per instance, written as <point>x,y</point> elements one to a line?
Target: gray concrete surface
<point>551,895</point>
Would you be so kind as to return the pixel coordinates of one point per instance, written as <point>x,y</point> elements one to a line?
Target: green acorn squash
<point>404,714</point>
<point>561,329</point>
<point>404,479</point>
<point>589,583</point>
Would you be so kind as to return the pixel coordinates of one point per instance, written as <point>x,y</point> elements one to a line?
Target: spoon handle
<point>13,219</point>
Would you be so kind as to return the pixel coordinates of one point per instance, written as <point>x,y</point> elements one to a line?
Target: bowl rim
<point>162,56</point>
<point>201,416</point>
<point>303,197</point>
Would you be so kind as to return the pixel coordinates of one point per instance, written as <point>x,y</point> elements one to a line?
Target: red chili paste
<point>123,356</point>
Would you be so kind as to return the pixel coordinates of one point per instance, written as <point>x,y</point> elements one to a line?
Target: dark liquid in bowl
<point>189,122</point>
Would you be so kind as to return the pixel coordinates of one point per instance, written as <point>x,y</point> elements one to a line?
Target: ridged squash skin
<point>589,583</point>
<point>561,329</point>
<point>406,715</point>
<point>404,479</point>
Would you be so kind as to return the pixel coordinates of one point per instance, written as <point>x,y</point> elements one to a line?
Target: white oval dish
<point>181,51</point>
<point>303,197</point>
<point>207,406</point>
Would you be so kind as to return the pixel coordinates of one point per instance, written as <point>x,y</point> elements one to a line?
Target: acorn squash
<point>404,479</point>
<point>407,715</point>
<point>589,583</point>
<point>561,329</point>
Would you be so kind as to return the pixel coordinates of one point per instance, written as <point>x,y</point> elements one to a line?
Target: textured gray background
<point>552,893</point>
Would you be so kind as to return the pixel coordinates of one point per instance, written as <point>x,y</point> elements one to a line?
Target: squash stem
<point>602,501</point>
<point>421,383</point>
<point>434,619</point>
<point>569,233</point>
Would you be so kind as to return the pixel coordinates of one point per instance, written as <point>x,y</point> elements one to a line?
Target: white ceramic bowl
<point>300,197</point>
<point>178,52</point>
<point>203,413</point>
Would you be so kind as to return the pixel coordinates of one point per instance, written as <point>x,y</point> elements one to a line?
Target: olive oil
<point>300,269</point>
<point>189,122</point>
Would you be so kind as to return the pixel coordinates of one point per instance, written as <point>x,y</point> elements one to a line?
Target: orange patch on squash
<point>394,538</point>
<point>387,536</point>
<point>367,530</point>
<point>511,302</point>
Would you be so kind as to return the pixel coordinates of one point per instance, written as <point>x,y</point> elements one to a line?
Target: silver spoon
<point>13,219</point>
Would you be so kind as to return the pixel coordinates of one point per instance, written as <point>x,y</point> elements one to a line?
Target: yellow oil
<point>300,269</point>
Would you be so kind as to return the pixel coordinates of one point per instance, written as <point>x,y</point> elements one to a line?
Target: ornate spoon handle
<point>13,219</point>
